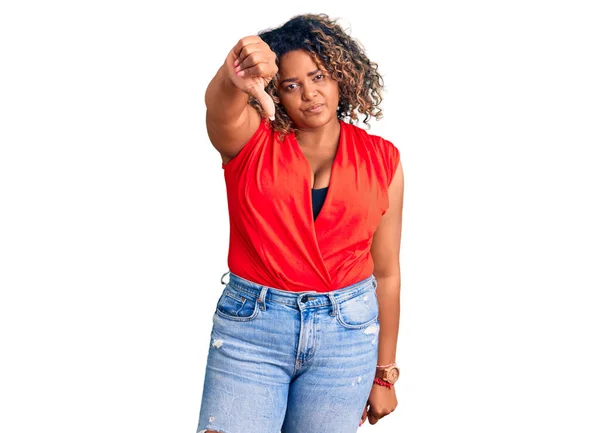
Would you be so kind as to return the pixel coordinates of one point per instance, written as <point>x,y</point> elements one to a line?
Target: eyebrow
<point>310,74</point>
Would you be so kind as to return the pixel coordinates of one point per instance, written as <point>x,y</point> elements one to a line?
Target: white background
<point>113,213</point>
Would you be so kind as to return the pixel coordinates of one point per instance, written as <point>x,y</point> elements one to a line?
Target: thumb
<point>265,100</point>
<point>372,417</point>
<point>364,416</point>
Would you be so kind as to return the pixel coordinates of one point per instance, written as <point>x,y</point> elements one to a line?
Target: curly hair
<point>331,48</point>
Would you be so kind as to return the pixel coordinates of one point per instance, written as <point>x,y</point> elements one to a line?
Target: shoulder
<point>263,134</point>
<point>377,143</point>
<point>382,150</point>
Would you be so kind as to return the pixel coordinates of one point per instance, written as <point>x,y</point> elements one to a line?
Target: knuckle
<point>381,413</point>
<point>249,87</point>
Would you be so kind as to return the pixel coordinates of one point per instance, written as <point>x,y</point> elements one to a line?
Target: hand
<point>381,402</point>
<point>251,66</point>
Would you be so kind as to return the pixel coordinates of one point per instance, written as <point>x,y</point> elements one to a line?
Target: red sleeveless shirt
<point>273,238</point>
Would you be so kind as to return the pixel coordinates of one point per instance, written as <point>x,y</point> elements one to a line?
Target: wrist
<point>382,382</point>
<point>387,374</point>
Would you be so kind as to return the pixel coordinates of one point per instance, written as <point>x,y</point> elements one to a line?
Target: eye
<point>289,87</point>
<point>320,75</point>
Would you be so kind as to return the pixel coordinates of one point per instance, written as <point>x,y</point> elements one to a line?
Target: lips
<point>315,107</point>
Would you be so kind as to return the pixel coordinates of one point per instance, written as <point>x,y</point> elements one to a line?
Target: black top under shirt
<point>318,197</point>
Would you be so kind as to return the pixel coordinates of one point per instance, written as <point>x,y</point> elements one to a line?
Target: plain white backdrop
<point>114,226</point>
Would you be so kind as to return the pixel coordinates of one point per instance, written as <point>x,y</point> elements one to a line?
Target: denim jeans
<point>290,362</point>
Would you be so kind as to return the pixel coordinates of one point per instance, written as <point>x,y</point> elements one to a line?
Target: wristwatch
<point>389,374</point>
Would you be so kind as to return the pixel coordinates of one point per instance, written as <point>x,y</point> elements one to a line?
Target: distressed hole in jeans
<point>372,330</point>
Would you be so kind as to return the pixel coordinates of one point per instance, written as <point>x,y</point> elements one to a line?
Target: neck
<point>314,138</point>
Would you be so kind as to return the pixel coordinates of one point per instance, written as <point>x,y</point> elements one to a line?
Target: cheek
<point>333,93</point>
<point>289,102</point>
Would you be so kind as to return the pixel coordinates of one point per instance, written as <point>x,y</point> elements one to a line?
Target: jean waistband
<point>307,298</point>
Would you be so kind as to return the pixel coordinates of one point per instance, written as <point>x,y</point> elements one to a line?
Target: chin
<point>319,120</point>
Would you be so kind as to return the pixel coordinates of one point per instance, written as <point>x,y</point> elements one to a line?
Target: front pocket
<point>359,311</point>
<point>234,305</point>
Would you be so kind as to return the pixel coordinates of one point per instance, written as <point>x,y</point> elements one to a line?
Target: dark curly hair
<point>331,48</point>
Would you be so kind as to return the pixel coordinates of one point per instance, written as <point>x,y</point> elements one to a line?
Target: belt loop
<point>261,298</point>
<point>333,303</point>
<point>224,276</point>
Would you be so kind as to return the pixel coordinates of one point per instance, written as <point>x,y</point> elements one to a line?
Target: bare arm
<point>385,250</point>
<point>230,120</point>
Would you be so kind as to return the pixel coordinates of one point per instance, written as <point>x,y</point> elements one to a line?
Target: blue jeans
<point>295,362</point>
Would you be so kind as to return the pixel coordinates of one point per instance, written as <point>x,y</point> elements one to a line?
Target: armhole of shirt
<point>392,160</point>
<point>264,128</point>
<point>393,155</point>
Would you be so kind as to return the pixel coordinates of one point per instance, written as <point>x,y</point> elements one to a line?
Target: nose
<point>309,92</point>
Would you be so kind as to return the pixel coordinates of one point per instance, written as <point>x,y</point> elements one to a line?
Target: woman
<point>304,333</point>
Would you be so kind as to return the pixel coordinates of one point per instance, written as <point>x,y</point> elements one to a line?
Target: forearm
<point>225,103</point>
<point>388,297</point>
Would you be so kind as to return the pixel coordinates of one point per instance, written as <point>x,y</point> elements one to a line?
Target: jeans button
<point>304,298</point>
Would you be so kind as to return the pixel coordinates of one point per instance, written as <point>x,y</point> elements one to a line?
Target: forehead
<point>296,63</point>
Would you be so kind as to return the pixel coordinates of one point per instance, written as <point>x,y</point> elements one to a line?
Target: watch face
<point>393,374</point>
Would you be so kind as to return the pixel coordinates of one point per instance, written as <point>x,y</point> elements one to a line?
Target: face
<point>307,92</point>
